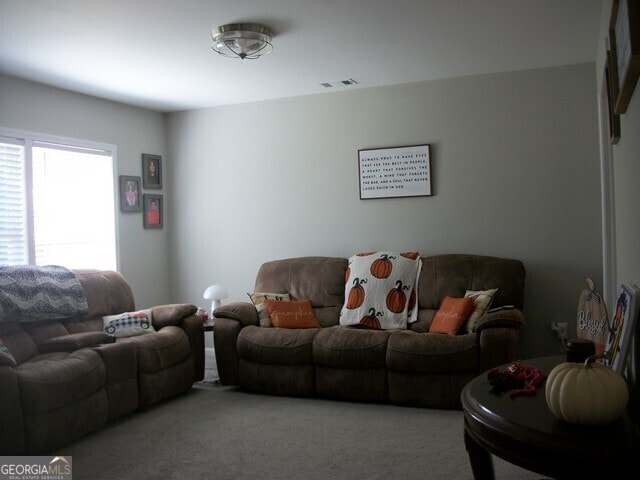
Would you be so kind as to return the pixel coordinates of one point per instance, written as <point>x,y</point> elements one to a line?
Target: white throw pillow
<point>129,324</point>
<point>482,301</point>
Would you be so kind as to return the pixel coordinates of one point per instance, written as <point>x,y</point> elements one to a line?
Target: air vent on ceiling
<point>339,83</point>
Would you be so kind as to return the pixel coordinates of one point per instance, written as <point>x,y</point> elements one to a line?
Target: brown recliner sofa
<point>68,378</point>
<point>405,367</point>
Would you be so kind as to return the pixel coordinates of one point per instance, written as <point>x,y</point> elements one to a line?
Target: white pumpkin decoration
<point>586,394</point>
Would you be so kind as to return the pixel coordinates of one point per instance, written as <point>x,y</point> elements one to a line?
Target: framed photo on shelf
<point>625,24</point>
<point>151,171</point>
<point>130,194</point>
<point>153,210</point>
<point>622,325</point>
<point>394,172</point>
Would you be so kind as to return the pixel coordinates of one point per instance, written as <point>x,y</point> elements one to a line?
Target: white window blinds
<point>14,245</point>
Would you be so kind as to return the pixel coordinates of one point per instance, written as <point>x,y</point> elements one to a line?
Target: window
<point>57,202</point>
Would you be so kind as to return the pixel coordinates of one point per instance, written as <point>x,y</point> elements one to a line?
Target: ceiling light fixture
<point>242,40</point>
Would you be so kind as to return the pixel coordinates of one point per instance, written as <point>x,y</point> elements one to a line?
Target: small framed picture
<point>153,209</point>
<point>622,325</point>
<point>130,194</point>
<point>151,171</point>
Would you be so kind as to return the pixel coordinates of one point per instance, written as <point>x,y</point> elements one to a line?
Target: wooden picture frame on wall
<point>153,211</point>
<point>625,25</point>
<point>151,171</point>
<point>130,194</point>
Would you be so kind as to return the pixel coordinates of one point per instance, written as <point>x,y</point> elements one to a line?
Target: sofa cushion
<point>451,315</point>
<point>54,380</point>
<point>320,279</point>
<point>107,292</point>
<point>294,314</point>
<point>454,274</point>
<point>259,300</point>
<point>277,346</point>
<point>351,348</point>
<point>129,324</point>
<point>432,353</point>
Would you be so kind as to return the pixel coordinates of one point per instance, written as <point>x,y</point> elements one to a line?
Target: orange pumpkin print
<point>356,295</point>
<point>396,298</point>
<point>411,255</point>
<point>371,320</point>
<point>383,266</point>
<point>347,274</point>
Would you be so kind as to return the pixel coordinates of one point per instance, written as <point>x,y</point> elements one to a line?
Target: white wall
<point>515,174</point>
<point>625,161</point>
<point>38,108</point>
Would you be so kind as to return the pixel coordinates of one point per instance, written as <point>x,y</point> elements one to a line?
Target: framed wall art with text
<point>394,172</point>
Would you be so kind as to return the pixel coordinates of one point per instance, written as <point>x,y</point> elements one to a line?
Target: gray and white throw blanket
<point>29,293</point>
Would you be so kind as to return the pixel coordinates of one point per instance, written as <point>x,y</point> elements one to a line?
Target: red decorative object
<point>517,379</point>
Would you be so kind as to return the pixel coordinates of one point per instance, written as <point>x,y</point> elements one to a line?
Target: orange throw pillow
<point>294,314</point>
<point>451,316</point>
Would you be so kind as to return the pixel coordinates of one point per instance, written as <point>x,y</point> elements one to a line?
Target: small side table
<point>523,431</point>
<point>208,325</point>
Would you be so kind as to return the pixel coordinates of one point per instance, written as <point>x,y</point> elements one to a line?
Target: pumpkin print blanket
<point>381,290</point>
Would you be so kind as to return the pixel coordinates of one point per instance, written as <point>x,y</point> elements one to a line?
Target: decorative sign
<point>395,172</point>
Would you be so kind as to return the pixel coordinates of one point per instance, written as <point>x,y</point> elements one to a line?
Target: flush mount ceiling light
<point>242,40</point>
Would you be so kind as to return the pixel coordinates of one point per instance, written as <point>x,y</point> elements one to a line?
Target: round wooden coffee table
<point>523,431</point>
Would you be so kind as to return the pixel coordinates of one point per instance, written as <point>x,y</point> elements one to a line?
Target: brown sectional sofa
<point>408,367</point>
<point>70,378</point>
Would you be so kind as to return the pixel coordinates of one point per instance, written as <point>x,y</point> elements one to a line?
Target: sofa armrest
<point>193,327</point>
<point>225,342</point>
<point>511,318</point>
<point>183,315</point>
<point>172,314</point>
<point>74,341</point>
<point>7,361</point>
<point>243,312</point>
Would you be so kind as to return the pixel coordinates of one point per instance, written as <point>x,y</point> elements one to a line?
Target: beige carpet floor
<point>214,432</point>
